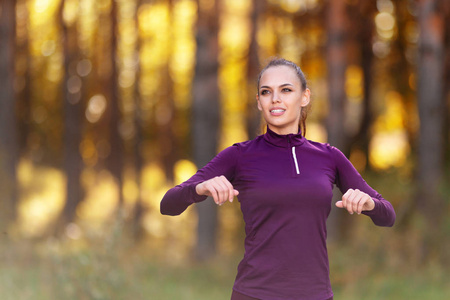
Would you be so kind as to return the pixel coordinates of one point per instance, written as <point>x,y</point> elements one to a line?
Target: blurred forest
<point>106,104</point>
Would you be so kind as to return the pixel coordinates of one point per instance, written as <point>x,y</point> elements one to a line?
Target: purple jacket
<point>285,185</point>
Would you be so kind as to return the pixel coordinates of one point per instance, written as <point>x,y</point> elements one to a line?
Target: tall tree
<point>253,67</point>
<point>336,56</point>
<point>137,147</point>
<point>115,159</point>
<point>8,131</point>
<point>430,86</point>
<point>73,162</point>
<point>23,73</point>
<point>166,130</point>
<point>362,18</point>
<point>205,117</point>
<point>399,64</point>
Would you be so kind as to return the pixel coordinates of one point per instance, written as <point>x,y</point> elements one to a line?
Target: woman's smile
<point>277,111</point>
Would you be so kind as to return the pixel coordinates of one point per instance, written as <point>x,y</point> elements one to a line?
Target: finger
<point>348,200</point>
<point>213,192</point>
<point>339,204</point>
<point>224,191</point>
<point>230,189</point>
<point>345,197</point>
<point>362,202</point>
<point>352,202</point>
<point>369,204</point>
<point>359,197</point>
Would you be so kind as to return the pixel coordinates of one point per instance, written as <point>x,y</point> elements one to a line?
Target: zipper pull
<point>295,160</point>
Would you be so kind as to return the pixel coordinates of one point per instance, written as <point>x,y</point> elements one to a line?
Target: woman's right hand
<point>219,188</point>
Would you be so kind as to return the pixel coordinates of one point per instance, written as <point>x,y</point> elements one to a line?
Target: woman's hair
<point>276,62</point>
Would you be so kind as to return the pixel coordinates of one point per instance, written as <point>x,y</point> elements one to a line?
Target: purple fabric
<point>238,296</point>
<point>285,187</point>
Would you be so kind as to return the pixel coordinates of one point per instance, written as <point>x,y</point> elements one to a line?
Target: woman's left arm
<point>358,197</point>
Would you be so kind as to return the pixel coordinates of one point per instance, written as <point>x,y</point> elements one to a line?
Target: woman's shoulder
<point>248,144</point>
<point>325,147</point>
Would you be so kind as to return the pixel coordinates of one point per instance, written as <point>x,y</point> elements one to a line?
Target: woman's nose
<point>276,98</point>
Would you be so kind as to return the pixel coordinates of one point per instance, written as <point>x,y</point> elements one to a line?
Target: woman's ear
<point>306,97</point>
<point>259,103</point>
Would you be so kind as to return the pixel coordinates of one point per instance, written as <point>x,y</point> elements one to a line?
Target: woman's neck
<point>284,130</point>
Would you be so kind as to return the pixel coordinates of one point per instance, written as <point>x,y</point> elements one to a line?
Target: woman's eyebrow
<point>283,85</point>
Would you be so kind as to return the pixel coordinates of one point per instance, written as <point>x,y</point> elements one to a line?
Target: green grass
<point>30,271</point>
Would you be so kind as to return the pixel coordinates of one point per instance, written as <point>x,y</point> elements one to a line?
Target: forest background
<point>106,104</point>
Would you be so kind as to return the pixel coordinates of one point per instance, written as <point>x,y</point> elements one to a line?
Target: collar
<point>284,141</point>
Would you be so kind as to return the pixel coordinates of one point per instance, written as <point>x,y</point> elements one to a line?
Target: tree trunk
<point>8,131</point>
<point>115,159</point>
<point>206,114</point>
<point>73,111</point>
<point>23,77</point>
<point>363,19</point>
<point>337,64</point>
<point>430,86</point>
<point>400,65</point>
<point>139,208</point>
<point>447,89</point>
<point>253,69</point>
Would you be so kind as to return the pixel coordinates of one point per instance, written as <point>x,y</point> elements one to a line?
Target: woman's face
<point>281,99</point>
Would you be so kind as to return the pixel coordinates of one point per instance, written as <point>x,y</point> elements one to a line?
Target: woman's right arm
<point>211,180</point>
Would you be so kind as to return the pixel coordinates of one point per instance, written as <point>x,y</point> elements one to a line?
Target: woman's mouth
<point>277,111</point>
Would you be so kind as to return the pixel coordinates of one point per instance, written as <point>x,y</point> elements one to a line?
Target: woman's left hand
<point>356,201</point>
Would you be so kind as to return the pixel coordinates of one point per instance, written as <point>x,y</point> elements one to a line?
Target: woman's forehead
<point>278,75</point>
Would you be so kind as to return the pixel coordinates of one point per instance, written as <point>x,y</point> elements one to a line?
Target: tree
<point>23,75</point>
<point>205,118</point>
<point>139,208</point>
<point>430,86</point>
<point>336,53</point>
<point>336,56</point>
<point>73,163</point>
<point>253,115</point>
<point>8,131</point>
<point>166,129</point>
<point>362,19</point>
<point>115,159</point>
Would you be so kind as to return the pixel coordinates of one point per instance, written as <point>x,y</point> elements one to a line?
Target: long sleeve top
<point>285,185</point>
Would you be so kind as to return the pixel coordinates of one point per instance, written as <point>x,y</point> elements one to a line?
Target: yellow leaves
<point>393,117</point>
<point>102,196</point>
<point>184,169</point>
<point>88,152</point>
<point>389,149</point>
<point>389,146</point>
<point>43,191</point>
<point>354,83</point>
<point>154,19</point>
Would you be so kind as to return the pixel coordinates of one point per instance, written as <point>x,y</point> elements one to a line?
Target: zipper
<point>294,156</point>
<point>295,160</point>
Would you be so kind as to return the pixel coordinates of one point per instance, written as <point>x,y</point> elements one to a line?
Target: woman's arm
<point>358,196</point>
<point>196,188</point>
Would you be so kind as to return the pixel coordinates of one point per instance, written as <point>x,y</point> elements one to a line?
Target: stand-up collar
<point>287,140</point>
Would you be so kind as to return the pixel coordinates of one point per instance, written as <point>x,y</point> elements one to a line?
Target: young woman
<point>284,184</point>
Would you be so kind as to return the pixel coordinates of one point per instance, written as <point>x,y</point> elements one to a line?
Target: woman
<point>284,185</point>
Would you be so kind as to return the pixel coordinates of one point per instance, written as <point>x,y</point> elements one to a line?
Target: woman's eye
<point>287,90</point>
<point>264,92</point>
